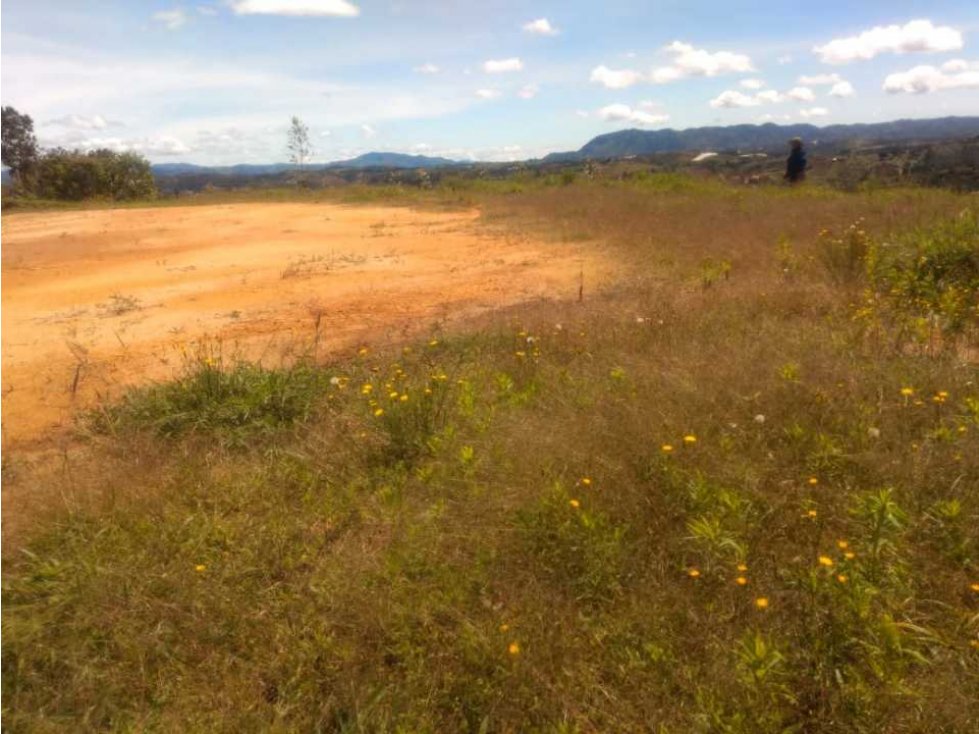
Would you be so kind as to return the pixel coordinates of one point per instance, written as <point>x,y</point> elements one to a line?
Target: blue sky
<point>216,81</point>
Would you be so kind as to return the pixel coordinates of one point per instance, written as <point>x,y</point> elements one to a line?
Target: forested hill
<point>767,137</point>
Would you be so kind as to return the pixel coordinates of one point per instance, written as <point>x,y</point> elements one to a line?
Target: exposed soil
<point>95,301</point>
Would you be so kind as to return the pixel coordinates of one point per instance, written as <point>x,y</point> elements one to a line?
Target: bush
<point>74,175</point>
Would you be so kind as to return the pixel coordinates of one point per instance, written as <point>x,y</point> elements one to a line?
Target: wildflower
<point>335,381</point>
<point>379,412</point>
<point>762,602</point>
<point>504,627</point>
<point>393,395</point>
<point>974,587</point>
<point>741,581</point>
<point>907,391</point>
<point>811,514</point>
<point>974,644</point>
<point>841,578</point>
<point>962,429</point>
<point>575,504</point>
<point>363,351</point>
<point>366,389</point>
<point>403,398</point>
<point>813,481</point>
<point>742,567</point>
<point>406,351</point>
<point>826,561</point>
<point>200,567</point>
<point>666,448</point>
<point>759,418</point>
<point>849,555</point>
<point>939,398</point>
<point>842,544</point>
<point>873,432</point>
<point>586,481</point>
<point>514,648</point>
<point>428,391</point>
<point>689,439</point>
<point>520,354</point>
<point>693,573</point>
<point>433,343</point>
<point>209,362</point>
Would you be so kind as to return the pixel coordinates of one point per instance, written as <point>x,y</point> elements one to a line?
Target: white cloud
<point>842,89</point>
<point>499,66</point>
<point>528,91</point>
<point>81,122</point>
<point>956,65</point>
<point>368,132</point>
<point>820,80</point>
<point>341,8</point>
<point>752,83</point>
<point>541,27</point>
<point>917,36</point>
<point>625,113</point>
<point>769,96</point>
<point>814,112</point>
<point>615,78</point>
<point>487,93</point>
<point>207,10</point>
<point>689,61</point>
<point>163,145</point>
<point>426,68</point>
<point>925,79</point>
<point>732,100</point>
<point>172,19</point>
<point>783,60</point>
<point>801,94</point>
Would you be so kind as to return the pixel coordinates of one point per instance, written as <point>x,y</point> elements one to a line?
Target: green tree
<point>300,149</point>
<point>19,143</point>
<point>74,175</point>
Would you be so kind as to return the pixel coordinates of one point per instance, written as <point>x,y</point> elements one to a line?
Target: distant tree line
<point>70,174</point>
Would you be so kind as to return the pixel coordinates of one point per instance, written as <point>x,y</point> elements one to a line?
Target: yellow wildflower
<point>813,481</point>
<point>842,544</point>
<point>841,578</point>
<point>762,602</point>
<point>200,567</point>
<point>586,481</point>
<point>811,514</point>
<point>504,627</point>
<point>693,573</point>
<point>575,504</point>
<point>363,351</point>
<point>666,448</point>
<point>907,391</point>
<point>849,555</point>
<point>379,412</point>
<point>742,567</point>
<point>741,581</point>
<point>974,587</point>
<point>514,648</point>
<point>403,398</point>
<point>689,439</point>
<point>825,561</point>
<point>433,343</point>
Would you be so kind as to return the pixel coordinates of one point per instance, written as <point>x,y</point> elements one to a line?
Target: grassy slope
<point>511,548</point>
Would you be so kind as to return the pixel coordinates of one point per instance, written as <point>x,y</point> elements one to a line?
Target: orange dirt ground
<point>94,301</point>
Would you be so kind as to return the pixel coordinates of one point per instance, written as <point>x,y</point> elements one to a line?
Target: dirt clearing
<point>95,301</point>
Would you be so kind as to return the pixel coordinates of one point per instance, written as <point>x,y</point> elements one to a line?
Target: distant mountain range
<point>767,137</point>
<point>367,160</point>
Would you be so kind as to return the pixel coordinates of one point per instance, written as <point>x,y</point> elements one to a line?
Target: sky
<point>216,82</point>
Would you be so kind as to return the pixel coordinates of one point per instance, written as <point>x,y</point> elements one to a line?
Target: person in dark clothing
<point>795,169</point>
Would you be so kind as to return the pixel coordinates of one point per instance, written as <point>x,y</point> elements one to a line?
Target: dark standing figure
<point>795,169</point>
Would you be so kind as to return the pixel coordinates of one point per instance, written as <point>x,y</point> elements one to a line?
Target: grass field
<point>737,491</point>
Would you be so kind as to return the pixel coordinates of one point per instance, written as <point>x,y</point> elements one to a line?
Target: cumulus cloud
<point>615,78</point>
<point>732,99</point>
<point>500,66</point>
<point>540,27</point>
<point>625,113</point>
<point>956,65</point>
<point>819,80</point>
<point>801,94</point>
<point>340,8</point>
<point>689,61</point>
<point>426,68</point>
<point>842,89</point>
<point>528,91</point>
<point>164,145</point>
<point>925,79</point>
<point>487,93</point>
<point>916,36</point>
<point>81,122</point>
<point>814,112</point>
<point>770,96</point>
<point>752,83</point>
<point>171,19</point>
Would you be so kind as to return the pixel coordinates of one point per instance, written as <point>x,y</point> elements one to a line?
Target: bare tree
<point>300,149</point>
